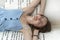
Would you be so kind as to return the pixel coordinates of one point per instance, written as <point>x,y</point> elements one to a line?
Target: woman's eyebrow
<point>42,15</point>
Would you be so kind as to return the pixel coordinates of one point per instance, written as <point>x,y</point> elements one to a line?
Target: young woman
<point>21,20</point>
<point>34,24</point>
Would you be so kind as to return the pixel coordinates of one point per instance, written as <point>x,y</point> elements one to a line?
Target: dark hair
<point>46,28</point>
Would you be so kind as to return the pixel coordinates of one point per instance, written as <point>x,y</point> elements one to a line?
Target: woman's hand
<point>40,13</point>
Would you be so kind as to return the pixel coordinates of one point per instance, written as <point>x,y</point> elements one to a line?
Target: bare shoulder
<point>23,18</point>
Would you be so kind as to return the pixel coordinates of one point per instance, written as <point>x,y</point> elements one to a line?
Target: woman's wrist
<point>35,35</point>
<point>36,32</point>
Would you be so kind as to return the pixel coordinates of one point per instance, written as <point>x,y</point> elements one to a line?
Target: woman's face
<point>39,21</point>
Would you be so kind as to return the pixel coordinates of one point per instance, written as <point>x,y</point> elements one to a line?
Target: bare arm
<point>27,33</point>
<point>42,7</point>
<point>35,34</point>
<point>31,7</point>
<point>34,3</point>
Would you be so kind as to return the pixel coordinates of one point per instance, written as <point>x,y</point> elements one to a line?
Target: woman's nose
<point>39,17</point>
